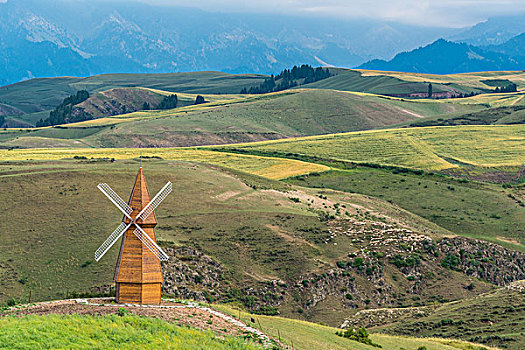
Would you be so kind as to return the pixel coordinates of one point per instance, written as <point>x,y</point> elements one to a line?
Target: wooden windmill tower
<point>138,274</point>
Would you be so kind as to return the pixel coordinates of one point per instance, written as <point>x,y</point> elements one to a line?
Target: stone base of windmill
<point>138,293</point>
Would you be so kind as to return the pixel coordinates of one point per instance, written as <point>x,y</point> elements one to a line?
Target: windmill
<point>138,274</point>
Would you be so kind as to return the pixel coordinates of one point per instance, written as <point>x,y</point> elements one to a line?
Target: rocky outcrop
<point>189,274</point>
<point>386,266</point>
<point>487,261</point>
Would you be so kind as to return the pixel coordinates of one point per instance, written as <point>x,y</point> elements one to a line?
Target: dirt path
<point>517,100</point>
<point>413,114</point>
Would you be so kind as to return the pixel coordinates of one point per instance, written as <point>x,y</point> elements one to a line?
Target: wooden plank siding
<point>138,273</point>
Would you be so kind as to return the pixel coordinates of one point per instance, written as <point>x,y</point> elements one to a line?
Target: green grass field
<point>398,83</point>
<point>305,335</point>
<point>46,93</point>
<point>433,148</point>
<point>233,119</point>
<point>108,332</point>
<point>260,230</point>
<point>474,80</point>
<point>476,210</point>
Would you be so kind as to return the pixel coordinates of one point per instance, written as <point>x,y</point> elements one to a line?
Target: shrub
<point>341,264</point>
<point>197,278</point>
<point>199,100</point>
<point>86,263</point>
<point>411,260</point>
<point>266,310</point>
<point>361,336</point>
<point>450,261</point>
<point>358,262</point>
<point>122,312</point>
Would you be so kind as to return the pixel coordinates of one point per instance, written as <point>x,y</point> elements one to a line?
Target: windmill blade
<point>150,244</point>
<point>108,243</point>
<point>115,199</point>
<point>154,203</point>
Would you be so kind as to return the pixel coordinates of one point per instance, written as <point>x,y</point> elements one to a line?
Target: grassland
<point>233,119</point>
<point>474,80</point>
<point>433,148</point>
<point>258,230</point>
<point>272,168</point>
<point>476,210</point>
<point>46,93</point>
<point>494,319</point>
<point>108,332</point>
<point>305,335</point>
<point>400,83</point>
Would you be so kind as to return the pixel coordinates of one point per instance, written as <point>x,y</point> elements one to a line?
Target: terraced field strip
<point>272,168</point>
<point>470,79</point>
<point>427,148</point>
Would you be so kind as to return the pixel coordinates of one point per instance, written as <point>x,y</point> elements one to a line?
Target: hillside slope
<point>241,119</point>
<point>466,319</point>
<point>240,233</point>
<point>36,95</point>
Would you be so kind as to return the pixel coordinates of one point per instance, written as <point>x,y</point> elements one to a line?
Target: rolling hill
<point>238,231</point>
<point>241,119</point>
<point>466,319</point>
<point>482,153</point>
<point>37,95</point>
<point>25,103</point>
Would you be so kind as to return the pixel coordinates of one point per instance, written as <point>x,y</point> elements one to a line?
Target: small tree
<point>199,100</point>
<point>168,102</point>
<point>146,106</point>
<point>2,120</point>
<point>430,90</point>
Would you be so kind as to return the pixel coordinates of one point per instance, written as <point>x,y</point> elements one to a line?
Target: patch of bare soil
<point>499,175</point>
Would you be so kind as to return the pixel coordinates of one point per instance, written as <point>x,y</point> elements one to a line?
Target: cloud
<point>446,13</point>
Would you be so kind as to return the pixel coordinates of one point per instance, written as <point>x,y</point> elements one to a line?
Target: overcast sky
<point>448,13</point>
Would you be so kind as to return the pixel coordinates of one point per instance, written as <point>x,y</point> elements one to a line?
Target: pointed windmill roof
<point>140,198</point>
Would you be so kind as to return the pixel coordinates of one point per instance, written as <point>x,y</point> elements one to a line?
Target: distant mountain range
<point>446,57</point>
<point>494,31</point>
<point>86,37</point>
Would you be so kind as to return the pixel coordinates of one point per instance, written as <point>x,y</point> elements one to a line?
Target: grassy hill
<point>306,335</point>
<point>251,229</point>
<point>467,319</point>
<point>482,153</point>
<point>479,80</point>
<point>231,119</point>
<point>130,331</point>
<point>433,148</point>
<point>38,96</point>
<point>44,94</point>
<point>400,83</point>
